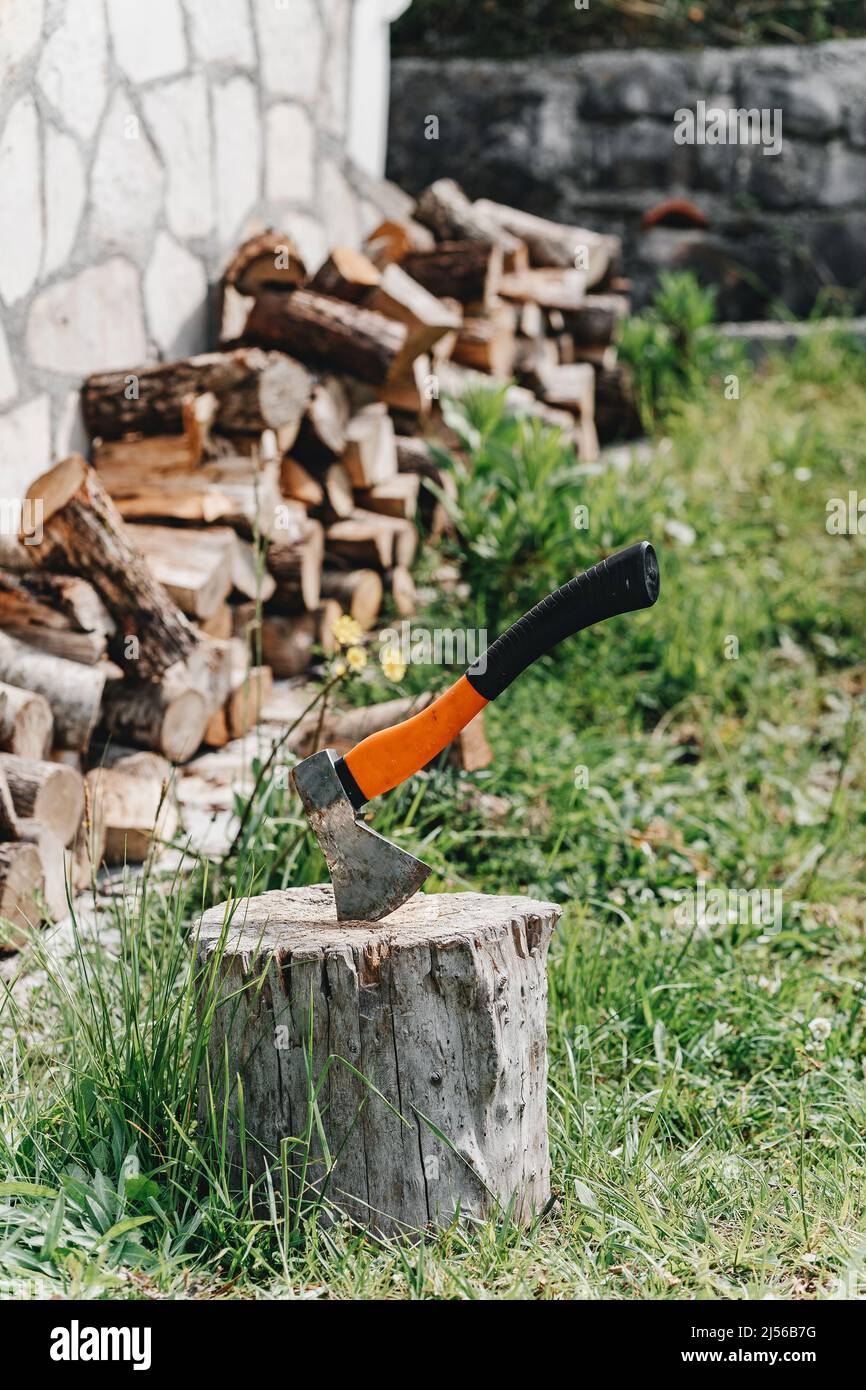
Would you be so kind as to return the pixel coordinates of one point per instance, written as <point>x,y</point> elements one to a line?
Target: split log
<point>420,1126</point>
<point>410,392</point>
<point>359,593</point>
<point>81,526</point>
<point>393,239</point>
<point>57,613</point>
<point>21,887</point>
<point>446,210</point>
<point>249,575</point>
<point>552,243</point>
<point>8,815</point>
<point>50,793</point>
<point>549,288</point>
<point>531,320</point>
<point>168,719</point>
<point>234,490</point>
<point>26,722</point>
<point>370,538</point>
<point>426,318</point>
<point>296,482</point>
<point>147,454</point>
<point>194,567</point>
<point>73,691</point>
<point>288,644</point>
<point>370,455</point>
<point>323,430</point>
<point>596,322</point>
<point>616,412</point>
<point>466,270</point>
<point>319,329</point>
<point>346,274</point>
<point>297,568</point>
<point>243,709</point>
<point>397,497</point>
<point>219,624</point>
<point>151,400</point>
<point>338,489</point>
<point>486,344</point>
<point>268,260</point>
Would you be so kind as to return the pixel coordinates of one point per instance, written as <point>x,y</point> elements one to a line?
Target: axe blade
<point>371,877</point>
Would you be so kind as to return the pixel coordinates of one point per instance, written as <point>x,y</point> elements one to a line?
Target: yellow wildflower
<point>356,658</point>
<point>394,668</point>
<point>346,630</point>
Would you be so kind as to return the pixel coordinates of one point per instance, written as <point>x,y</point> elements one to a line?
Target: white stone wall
<point>139,141</point>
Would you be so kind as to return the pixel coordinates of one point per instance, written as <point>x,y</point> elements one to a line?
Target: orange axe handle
<point>622,583</point>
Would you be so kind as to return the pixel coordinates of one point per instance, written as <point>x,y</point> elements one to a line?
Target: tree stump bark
<point>425,1035</point>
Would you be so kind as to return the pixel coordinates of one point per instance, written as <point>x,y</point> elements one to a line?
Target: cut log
<point>552,243</point>
<point>550,288</point>
<point>297,568</point>
<point>26,722</point>
<point>390,242</point>
<point>195,567</point>
<point>531,320</point>
<point>466,270</point>
<point>273,398</point>
<point>296,482</point>
<point>50,793</point>
<point>134,809</point>
<point>346,274</point>
<point>370,455</point>
<point>414,1136</point>
<point>288,644</point>
<point>162,717</point>
<point>268,260</point>
<point>21,888</point>
<point>73,691</point>
<point>57,864</point>
<point>403,591</point>
<point>83,527</point>
<point>426,318</point>
<point>151,400</point>
<point>249,575</point>
<point>446,210</point>
<point>320,329</point>
<point>470,750</point>
<point>397,497</point>
<point>359,593</point>
<point>58,613</point>
<point>243,709</point>
<point>327,614</point>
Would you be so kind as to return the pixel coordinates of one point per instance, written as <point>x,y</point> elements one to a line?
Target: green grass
<point>706,1141</point>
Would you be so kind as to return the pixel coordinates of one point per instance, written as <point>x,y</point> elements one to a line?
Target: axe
<point>373,877</point>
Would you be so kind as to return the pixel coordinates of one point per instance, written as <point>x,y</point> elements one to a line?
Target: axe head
<point>371,877</point>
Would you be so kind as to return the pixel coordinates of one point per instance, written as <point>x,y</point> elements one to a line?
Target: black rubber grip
<point>620,584</point>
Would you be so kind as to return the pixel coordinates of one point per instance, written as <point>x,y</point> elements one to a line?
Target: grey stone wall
<point>139,140</point>
<point>591,140</point>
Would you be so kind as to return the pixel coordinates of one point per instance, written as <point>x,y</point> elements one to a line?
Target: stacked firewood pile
<point>238,501</point>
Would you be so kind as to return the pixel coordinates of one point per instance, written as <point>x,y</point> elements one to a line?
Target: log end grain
<point>441,1008</point>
